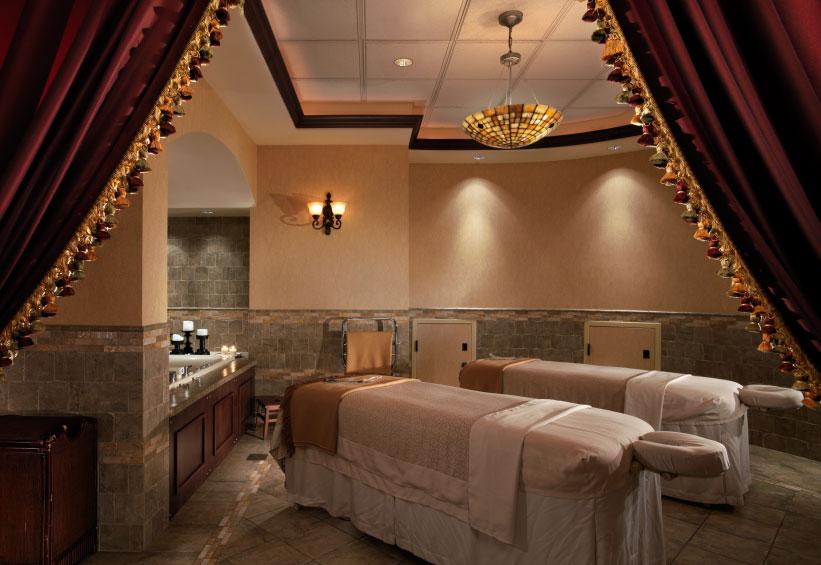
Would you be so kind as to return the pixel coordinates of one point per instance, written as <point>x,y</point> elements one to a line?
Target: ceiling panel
<point>556,93</point>
<point>600,94</point>
<point>581,114</point>
<point>448,117</point>
<point>470,93</point>
<point>566,59</point>
<point>321,59</point>
<point>399,90</point>
<point>571,25</point>
<point>427,58</point>
<point>312,19</point>
<point>328,90</point>
<point>481,60</point>
<point>482,19</point>
<point>410,19</point>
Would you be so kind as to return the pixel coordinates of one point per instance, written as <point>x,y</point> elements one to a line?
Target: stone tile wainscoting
<point>292,344</point>
<point>118,375</point>
<point>208,262</point>
<point>288,344</point>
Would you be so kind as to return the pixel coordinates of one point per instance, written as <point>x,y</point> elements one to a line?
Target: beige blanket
<point>312,409</point>
<point>602,387</point>
<point>369,353</point>
<point>487,375</point>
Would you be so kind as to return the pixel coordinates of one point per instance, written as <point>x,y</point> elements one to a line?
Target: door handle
<point>416,346</point>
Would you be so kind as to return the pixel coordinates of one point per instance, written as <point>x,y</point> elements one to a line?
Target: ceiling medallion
<point>511,126</point>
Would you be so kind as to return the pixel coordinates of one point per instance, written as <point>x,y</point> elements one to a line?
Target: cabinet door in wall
<point>623,344</point>
<point>441,348</point>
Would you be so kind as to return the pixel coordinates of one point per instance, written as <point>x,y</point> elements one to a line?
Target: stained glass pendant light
<point>511,126</point>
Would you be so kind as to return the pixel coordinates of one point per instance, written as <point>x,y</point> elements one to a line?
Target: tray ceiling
<point>341,52</point>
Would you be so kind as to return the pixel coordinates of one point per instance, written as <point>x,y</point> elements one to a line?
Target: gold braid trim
<point>93,230</point>
<point>764,318</point>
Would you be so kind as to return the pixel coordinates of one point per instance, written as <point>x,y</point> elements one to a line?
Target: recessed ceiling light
<point>478,157</point>
<point>614,147</point>
<point>207,212</point>
<point>403,62</point>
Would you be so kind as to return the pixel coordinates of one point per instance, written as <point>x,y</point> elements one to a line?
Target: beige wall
<point>206,112</point>
<point>365,264</point>
<point>585,233</point>
<point>128,284</point>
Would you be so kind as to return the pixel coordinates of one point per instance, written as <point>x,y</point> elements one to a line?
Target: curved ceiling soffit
<point>203,172</point>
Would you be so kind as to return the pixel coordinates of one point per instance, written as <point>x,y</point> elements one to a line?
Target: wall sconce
<point>327,214</point>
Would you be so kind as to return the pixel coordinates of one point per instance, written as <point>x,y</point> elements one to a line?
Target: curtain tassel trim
<point>126,182</point>
<point>764,320</point>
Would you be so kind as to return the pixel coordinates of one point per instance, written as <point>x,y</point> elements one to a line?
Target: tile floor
<point>240,516</point>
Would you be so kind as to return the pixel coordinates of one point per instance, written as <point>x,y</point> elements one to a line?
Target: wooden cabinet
<point>441,348</point>
<point>48,489</point>
<point>202,434</point>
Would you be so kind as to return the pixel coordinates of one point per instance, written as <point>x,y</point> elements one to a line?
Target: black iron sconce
<point>327,214</point>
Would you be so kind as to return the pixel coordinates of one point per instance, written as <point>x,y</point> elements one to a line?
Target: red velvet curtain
<point>79,78</point>
<point>738,83</point>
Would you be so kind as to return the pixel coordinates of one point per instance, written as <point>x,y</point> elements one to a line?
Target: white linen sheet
<point>622,527</point>
<point>495,463</point>
<point>645,393</point>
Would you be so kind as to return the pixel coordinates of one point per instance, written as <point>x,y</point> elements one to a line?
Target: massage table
<point>461,477</point>
<point>711,408</point>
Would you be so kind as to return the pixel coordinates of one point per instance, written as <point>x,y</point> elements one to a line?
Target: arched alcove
<point>203,173</point>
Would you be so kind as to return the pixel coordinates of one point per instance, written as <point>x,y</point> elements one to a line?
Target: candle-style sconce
<point>327,215</point>
<point>188,329</point>
<point>202,335</point>
<point>176,341</point>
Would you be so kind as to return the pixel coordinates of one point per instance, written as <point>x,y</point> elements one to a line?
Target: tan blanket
<point>369,353</point>
<point>310,410</point>
<point>599,386</point>
<point>486,375</point>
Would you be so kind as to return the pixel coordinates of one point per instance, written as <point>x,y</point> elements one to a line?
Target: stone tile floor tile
<point>241,516</point>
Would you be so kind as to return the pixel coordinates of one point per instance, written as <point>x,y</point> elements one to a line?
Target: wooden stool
<point>268,411</point>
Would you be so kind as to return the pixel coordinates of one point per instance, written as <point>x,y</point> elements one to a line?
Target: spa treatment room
<point>464,282</point>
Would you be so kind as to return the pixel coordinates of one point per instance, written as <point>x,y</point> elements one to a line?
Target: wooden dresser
<point>48,489</point>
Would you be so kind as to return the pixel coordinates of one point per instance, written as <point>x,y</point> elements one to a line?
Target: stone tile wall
<point>208,262</point>
<point>119,376</point>
<point>288,344</point>
<point>291,344</point>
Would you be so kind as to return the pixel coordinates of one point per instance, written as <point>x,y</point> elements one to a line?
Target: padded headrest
<point>771,397</point>
<point>675,453</point>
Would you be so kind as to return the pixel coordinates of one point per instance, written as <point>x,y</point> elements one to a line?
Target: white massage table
<point>462,477</point>
<point>711,408</point>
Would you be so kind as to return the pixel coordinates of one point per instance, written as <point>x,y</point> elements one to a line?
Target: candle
<point>188,326</point>
<point>176,337</point>
<point>232,349</point>
<point>202,331</point>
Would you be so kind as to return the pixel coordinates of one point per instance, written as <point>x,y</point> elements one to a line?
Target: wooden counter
<point>206,419</point>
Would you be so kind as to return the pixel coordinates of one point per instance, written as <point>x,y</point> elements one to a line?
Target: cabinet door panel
<point>21,506</point>
<point>246,398</point>
<point>224,422</point>
<point>189,444</point>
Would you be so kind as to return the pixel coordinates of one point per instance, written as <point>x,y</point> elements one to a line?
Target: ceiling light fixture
<point>403,62</point>
<point>511,126</point>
